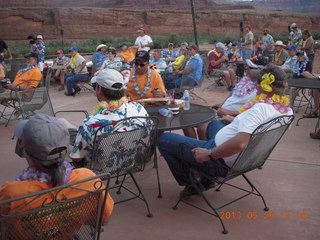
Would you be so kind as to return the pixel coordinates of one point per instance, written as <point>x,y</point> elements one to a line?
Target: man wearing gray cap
<point>295,37</point>
<point>44,141</point>
<point>113,106</point>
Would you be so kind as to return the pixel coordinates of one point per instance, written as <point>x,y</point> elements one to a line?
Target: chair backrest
<point>36,100</point>
<point>122,150</point>
<point>263,140</point>
<point>56,216</point>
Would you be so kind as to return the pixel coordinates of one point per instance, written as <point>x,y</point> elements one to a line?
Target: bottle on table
<point>186,98</point>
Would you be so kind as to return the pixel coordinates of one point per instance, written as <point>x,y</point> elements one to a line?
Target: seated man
<point>100,55</point>
<point>26,78</point>
<point>289,65</point>
<point>280,54</point>
<point>61,60</point>
<point>126,53</point>
<point>180,60</point>
<point>78,72</point>
<point>192,70</point>
<point>44,140</point>
<point>160,63</point>
<point>143,81</point>
<point>244,91</point>
<point>216,68</point>
<point>169,52</point>
<point>217,154</point>
<point>113,106</point>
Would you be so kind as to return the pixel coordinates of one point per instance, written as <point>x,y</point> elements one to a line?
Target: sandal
<point>311,115</point>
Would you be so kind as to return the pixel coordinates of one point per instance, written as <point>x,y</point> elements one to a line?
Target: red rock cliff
<point>81,23</point>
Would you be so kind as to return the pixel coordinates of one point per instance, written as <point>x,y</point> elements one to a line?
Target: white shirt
<point>233,103</point>
<point>79,62</point>
<point>246,122</point>
<point>143,41</point>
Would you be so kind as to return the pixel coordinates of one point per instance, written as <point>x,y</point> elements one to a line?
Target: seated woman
<point>44,141</point>
<point>112,62</point>
<point>217,154</point>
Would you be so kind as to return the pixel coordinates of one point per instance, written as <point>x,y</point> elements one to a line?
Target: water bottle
<point>186,98</point>
<point>166,112</point>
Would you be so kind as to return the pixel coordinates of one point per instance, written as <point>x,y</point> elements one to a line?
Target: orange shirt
<point>19,188</point>
<point>32,74</point>
<point>128,55</point>
<point>156,82</point>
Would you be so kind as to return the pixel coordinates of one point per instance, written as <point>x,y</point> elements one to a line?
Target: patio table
<point>197,115</point>
<point>306,83</point>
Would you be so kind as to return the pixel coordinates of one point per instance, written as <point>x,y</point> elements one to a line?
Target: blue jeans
<point>72,79</point>
<point>175,147</point>
<point>213,128</point>
<point>247,53</point>
<point>172,82</point>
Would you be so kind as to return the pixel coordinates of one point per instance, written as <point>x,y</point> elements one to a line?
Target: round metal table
<point>197,115</point>
<point>306,83</point>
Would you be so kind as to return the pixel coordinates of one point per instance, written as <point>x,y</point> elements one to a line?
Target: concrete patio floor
<point>289,181</point>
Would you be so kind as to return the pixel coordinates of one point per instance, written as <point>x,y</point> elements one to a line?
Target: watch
<point>209,153</point>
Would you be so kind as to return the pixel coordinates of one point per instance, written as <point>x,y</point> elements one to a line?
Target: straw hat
<point>279,43</point>
<point>101,46</point>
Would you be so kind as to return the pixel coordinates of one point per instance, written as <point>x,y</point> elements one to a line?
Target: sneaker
<point>61,88</point>
<point>69,94</point>
<point>189,190</point>
<point>315,135</point>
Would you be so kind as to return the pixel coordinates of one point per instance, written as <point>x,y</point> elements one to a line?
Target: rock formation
<point>82,23</point>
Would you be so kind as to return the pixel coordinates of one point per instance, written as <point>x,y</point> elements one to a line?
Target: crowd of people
<point>255,99</point>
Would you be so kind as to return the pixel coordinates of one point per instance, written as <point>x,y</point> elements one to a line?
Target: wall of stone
<point>82,23</point>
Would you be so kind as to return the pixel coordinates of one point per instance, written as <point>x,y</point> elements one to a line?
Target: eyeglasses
<point>139,64</point>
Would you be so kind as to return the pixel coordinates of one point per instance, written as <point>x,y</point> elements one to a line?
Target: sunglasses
<point>139,64</point>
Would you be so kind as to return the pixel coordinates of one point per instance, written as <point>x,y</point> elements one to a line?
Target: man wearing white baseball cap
<point>113,106</point>
<point>39,48</point>
<point>217,68</point>
<point>44,141</point>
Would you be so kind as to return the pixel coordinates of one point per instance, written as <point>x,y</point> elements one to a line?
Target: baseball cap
<point>123,44</point>
<point>293,25</point>
<point>141,30</point>
<point>73,49</point>
<point>39,37</point>
<point>41,134</point>
<point>32,54</point>
<point>142,56</point>
<point>221,45</point>
<point>108,77</point>
<point>59,51</point>
<point>170,44</point>
<point>300,53</point>
<point>292,47</point>
<point>193,46</point>
<point>101,46</point>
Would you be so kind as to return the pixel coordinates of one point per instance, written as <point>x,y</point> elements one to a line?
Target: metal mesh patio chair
<point>263,140</point>
<point>123,153</point>
<point>57,217</point>
<point>19,100</point>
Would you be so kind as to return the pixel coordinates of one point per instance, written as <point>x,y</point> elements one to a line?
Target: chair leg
<point>142,196</point>
<point>259,194</point>
<point>194,183</point>
<point>155,159</point>
<point>123,179</point>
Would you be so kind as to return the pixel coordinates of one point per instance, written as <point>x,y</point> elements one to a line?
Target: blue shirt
<point>42,48</point>
<point>161,63</point>
<point>99,57</point>
<point>196,64</point>
<point>268,40</point>
<point>166,54</point>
